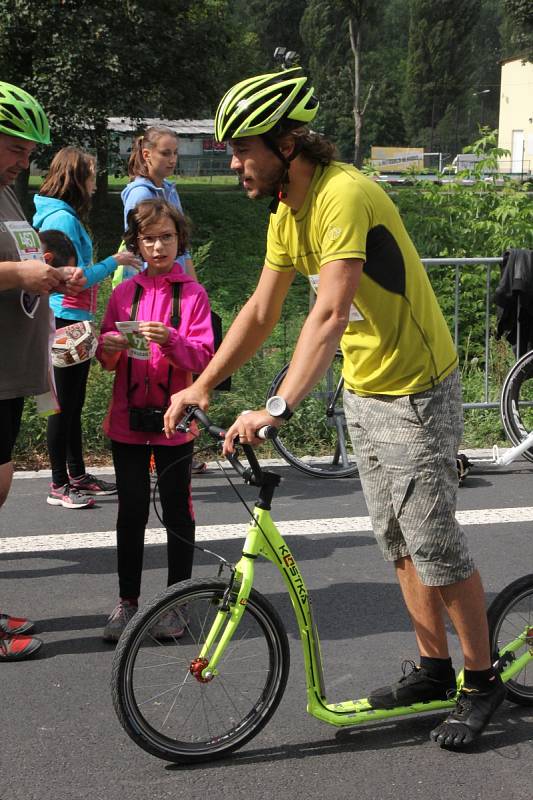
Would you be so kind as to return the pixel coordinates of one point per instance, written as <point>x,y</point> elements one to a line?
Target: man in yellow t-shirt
<point>396,341</point>
<point>402,399</point>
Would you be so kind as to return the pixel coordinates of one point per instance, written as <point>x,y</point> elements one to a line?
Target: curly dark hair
<point>310,145</point>
<point>149,212</point>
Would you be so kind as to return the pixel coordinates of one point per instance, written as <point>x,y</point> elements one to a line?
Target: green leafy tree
<point>357,66</point>
<point>519,14</point>
<point>438,63</point>
<point>490,215</point>
<point>273,24</point>
<point>87,60</point>
<point>334,33</point>
<point>383,65</point>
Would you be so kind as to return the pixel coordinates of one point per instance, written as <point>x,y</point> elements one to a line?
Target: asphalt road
<point>60,737</point>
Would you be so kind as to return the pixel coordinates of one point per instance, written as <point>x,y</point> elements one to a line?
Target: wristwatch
<point>277,407</point>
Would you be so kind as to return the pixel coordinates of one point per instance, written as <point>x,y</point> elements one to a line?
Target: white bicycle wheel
<point>516,404</point>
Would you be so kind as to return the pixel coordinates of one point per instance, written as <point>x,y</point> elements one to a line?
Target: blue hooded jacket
<point>54,214</point>
<point>144,189</point>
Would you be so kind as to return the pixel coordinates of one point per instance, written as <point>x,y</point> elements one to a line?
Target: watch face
<point>276,406</point>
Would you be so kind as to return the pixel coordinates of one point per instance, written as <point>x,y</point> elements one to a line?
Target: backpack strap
<point>175,319</point>
<point>136,299</point>
<point>133,315</point>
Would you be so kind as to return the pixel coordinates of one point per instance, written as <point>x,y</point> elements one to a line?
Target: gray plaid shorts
<point>406,448</point>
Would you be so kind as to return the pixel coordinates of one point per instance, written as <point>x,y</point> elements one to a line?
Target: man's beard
<point>269,184</point>
<point>7,180</point>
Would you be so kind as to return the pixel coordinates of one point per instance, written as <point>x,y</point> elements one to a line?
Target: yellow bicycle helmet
<point>275,102</point>
<point>21,115</point>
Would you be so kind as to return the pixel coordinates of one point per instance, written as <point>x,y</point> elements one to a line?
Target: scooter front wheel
<point>160,694</point>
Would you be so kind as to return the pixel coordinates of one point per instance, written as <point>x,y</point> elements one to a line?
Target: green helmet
<point>21,115</point>
<point>255,106</point>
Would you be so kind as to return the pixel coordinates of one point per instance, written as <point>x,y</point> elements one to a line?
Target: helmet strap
<point>280,193</point>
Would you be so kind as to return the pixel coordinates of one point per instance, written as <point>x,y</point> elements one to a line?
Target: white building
<point>515,129</point>
<point>199,153</point>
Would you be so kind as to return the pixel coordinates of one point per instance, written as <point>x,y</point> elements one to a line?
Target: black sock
<point>484,680</point>
<point>438,668</point>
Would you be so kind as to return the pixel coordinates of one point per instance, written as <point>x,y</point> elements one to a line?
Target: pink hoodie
<point>189,349</point>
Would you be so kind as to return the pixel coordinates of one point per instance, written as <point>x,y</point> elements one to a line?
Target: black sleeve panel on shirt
<point>384,260</point>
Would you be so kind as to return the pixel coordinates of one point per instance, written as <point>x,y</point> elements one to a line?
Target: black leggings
<point>63,436</point>
<point>132,463</point>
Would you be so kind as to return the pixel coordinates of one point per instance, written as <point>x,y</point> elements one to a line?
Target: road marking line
<point>211,533</point>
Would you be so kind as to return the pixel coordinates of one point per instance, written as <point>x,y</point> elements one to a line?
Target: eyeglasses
<point>165,239</point>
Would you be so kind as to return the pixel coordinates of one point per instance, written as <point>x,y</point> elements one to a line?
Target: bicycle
<point>321,406</point>
<point>516,405</point>
<point>200,697</point>
<point>516,413</point>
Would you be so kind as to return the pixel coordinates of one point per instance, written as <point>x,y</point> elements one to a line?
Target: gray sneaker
<point>69,497</point>
<point>171,625</point>
<point>118,620</point>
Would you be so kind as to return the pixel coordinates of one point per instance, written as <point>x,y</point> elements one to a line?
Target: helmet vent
<point>9,125</point>
<point>12,110</point>
<point>34,120</point>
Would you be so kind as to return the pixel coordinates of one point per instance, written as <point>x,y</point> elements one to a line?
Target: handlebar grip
<point>267,432</point>
<point>193,412</point>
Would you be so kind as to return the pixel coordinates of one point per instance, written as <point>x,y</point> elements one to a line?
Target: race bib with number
<point>355,314</point>
<point>137,344</point>
<point>28,247</point>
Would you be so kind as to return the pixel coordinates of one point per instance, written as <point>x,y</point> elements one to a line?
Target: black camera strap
<point>175,319</point>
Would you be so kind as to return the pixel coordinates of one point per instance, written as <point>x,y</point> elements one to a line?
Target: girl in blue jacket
<point>152,161</point>
<point>63,204</point>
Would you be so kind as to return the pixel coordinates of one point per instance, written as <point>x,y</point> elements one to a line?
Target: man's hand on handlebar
<point>245,427</point>
<point>191,396</point>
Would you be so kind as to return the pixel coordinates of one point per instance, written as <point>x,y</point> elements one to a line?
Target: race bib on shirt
<point>355,314</point>
<point>28,247</point>
<point>26,239</point>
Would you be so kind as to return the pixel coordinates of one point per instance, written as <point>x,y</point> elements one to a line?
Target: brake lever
<point>184,425</point>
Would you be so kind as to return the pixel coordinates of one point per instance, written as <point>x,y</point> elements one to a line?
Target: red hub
<point>197,667</point>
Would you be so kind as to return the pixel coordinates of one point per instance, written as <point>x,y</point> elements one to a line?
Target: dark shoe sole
<point>459,734</point>
<point>397,702</point>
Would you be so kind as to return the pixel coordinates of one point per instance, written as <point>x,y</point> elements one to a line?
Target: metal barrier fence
<point>488,265</point>
<point>208,165</point>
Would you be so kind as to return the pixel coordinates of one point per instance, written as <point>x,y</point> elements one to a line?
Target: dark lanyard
<point>174,321</point>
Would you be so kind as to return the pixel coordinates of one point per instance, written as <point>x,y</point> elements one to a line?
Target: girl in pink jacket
<point>173,339</point>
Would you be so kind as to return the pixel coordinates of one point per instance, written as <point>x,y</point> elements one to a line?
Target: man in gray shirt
<point>25,324</point>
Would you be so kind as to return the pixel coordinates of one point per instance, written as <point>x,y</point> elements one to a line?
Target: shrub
<point>481,219</point>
